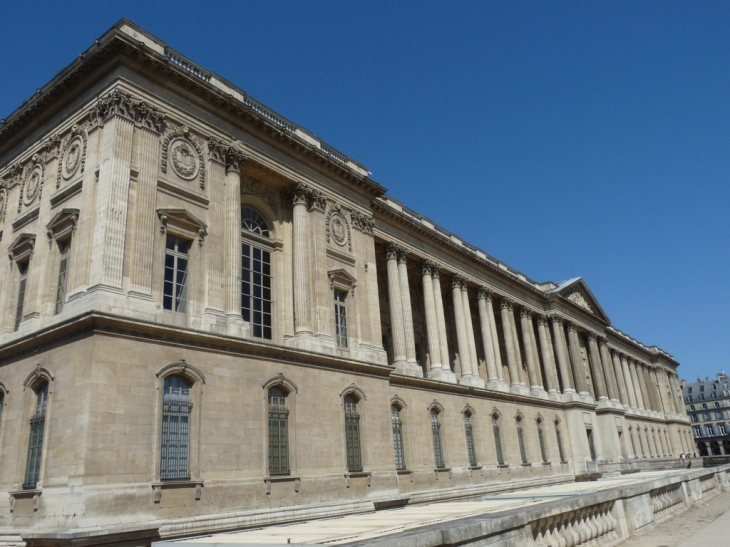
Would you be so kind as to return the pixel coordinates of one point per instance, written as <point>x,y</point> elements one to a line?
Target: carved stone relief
<point>32,183</point>
<point>3,202</point>
<point>254,187</point>
<point>579,299</point>
<point>337,227</point>
<point>184,151</point>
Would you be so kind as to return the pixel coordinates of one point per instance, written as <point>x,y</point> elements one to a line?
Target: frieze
<point>183,149</point>
<point>255,187</point>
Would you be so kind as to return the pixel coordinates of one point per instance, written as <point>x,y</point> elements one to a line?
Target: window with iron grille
<point>278,432</point>
<point>23,270</point>
<point>176,408</point>
<point>352,434</point>
<point>65,248</point>
<point>340,318</point>
<point>35,443</point>
<point>560,442</point>
<point>541,439</point>
<point>256,273</point>
<point>400,460</point>
<point>469,440</point>
<point>521,441</point>
<point>497,440</point>
<point>174,292</point>
<point>591,446</point>
<point>436,434</point>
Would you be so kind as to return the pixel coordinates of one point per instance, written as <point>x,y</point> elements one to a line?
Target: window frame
<point>278,421</point>
<point>178,305</point>
<point>521,440</point>
<point>265,245</point>
<point>497,436</point>
<point>470,443</point>
<point>353,434</point>
<point>438,447</point>
<point>398,441</point>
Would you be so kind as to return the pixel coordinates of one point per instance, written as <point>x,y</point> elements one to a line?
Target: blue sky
<point>566,139</point>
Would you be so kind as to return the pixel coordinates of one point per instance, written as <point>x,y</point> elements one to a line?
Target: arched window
<point>35,443</point>
<point>400,460</point>
<point>256,273</point>
<point>560,441</point>
<point>497,439</point>
<point>436,433</point>
<point>352,434</point>
<point>176,407</point>
<point>278,432</point>
<point>471,453</point>
<point>541,439</point>
<point>521,440</point>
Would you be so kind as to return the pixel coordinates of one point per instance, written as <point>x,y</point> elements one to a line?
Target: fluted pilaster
<point>302,262</point>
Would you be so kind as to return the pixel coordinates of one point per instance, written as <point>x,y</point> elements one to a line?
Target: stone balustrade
<point>666,501</point>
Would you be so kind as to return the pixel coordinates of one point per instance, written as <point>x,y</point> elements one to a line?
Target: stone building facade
<point>708,406</point>
<point>211,318</point>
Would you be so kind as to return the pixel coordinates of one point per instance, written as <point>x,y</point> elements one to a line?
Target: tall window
<point>560,441</point>
<point>174,293</point>
<point>469,440</point>
<point>23,270</point>
<point>340,318</point>
<point>278,432</point>
<point>35,443</point>
<point>352,434</point>
<point>497,439</point>
<point>176,407</point>
<point>521,441</point>
<point>256,273</point>
<point>436,433</point>
<point>591,446</point>
<point>400,460</point>
<point>65,248</point>
<point>541,439</point>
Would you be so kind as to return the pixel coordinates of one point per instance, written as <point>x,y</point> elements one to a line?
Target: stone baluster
<point>599,379</point>
<point>533,366</point>
<point>396,307</point>
<point>429,306</point>
<point>405,294</point>
<point>447,374</point>
<point>608,370</point>
<point>561,352</point>
<point>551,373</point>
<point>302,262</point>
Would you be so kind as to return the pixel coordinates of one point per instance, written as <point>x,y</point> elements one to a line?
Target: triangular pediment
<point>576,291</point>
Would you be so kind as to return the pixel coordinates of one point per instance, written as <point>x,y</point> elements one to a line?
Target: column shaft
<point>469,329</point>
<point>396,306</point>
<point>462,338</point>
<point>551,373</point>
<point>608,371</point>
<point>533,370</point>
<point>441,318</point>
<point>630,391</point>
<point>581,382</point>
<point>598,378</point>
<point>429,304</point>
<point>405,294</point>
<point>232,237</point>
<point>508,328</point>
<point>562,354</point>
<point>638,392</point>
<point>484,301</point>
<point>302,270</point>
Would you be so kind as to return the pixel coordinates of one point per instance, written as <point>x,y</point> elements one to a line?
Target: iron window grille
<point>436,433</point>
<point>256,276</point>
<point>469,440</point>
<point>521,441</point>
<point>340,318</point>
<point>541,439</point>
<point>278,433</point>
<point>352,435</point>
<point>174,293</point>
<point>65,247</point>
<point>497,440</point>
<point>400,460</point>
<point>175,445</point>
<point>35,443</point>
<point>23,269</point>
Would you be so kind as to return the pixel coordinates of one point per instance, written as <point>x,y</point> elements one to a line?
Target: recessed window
<point>176,407</point>
<point>278,432</point>
<point>352,434</point>
<point>256,273</point>
<point>471,453</point>
<point>174,293</point>
<point>23,271</point>
<point>35,443</point>
<point>541,439</point>
<point>65,248</point>
<point>521,442</point>
<point>438,451</point>
<point>560,441</point>
<point>591,445</point>
<point>400,460</point>
<point>340,318</point>
<point>497,439</point>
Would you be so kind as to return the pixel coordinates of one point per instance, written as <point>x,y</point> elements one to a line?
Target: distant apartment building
<point>708,406</point>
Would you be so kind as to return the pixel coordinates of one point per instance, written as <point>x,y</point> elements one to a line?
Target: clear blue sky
<point>564,138</point>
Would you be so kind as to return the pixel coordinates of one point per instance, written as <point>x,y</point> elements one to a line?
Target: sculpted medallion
<point>32,185</point>
<point>184,159</point>
<point>72,157</point>
<point>338,229</point>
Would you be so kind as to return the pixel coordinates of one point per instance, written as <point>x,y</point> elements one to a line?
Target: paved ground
<point>382,523</point>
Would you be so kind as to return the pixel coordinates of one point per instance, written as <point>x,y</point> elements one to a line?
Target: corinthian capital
<point>542,320</point>
<point>506,304</point>
<point>427,267</point>
<point>526,313</point>
<point>393,251</point>
<point>556,319</point>
<point>458,282</point>
<point>235,156</point>
<point>571,326</point>
<point>483,293</point>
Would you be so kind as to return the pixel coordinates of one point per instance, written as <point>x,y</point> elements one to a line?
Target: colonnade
<point>532,354</point>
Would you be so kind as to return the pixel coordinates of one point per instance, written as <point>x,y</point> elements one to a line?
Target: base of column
<point>519,389</point>
<point>472,380</point>
<point>554,395</point>
<point>498,385</point>
<point>570,396</point>
<point>587,397</point>
<point>236,326</point>
<point>408,369</point>
<point>539,392</point>
<point>442,375</point>
<point>307,342</point>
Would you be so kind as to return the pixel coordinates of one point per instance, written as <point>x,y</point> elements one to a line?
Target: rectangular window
<point>692,407</point>
<point>717,404</point>
<point>174,294</point>
<point>695,418</point>
<point>65,248</point>
<point>23,269</point>
<point>35,443</point>
<point>176,407</point>
<point>721,429</point>
<point>697,431</point>
<point>256,299</point>
<point>521,441</point>
<point>400,460</point>
<point>278,433</point>
<point>352,435</point>
<point>707,416</point>
<point>340,318</point>
<point>470,441</point>
<point>704,406</point>
<point>541,438</point>
<point>436,434</point>
<point>497,441</point>
<point>591,446</point>
<point>702,396</point>
<point>560,442</point>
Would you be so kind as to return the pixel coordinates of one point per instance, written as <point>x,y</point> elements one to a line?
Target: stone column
<point>663,405</point>
<point>630,390</point>
<point>462,338</point>
<point>516,345</point>
<point>447,375</point>
<point>118,111</point>
<point>578,372</point>
<point>396,307</point>
<point>625,389</point>
<point>484,303</point>
<point>608,370</point>
<point>302,262</point>
<point>516,386</point>
<point>405,294</point>
<point>551,373</point>
<point>495,339</point>
<point>533,367</point>
<point>644,384</point>
<point>598,377</point>
<point>232,239</point>
<point>562,353</point>
<point>432,330</point>
<point>469,329</point>
<point>637,385</point>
